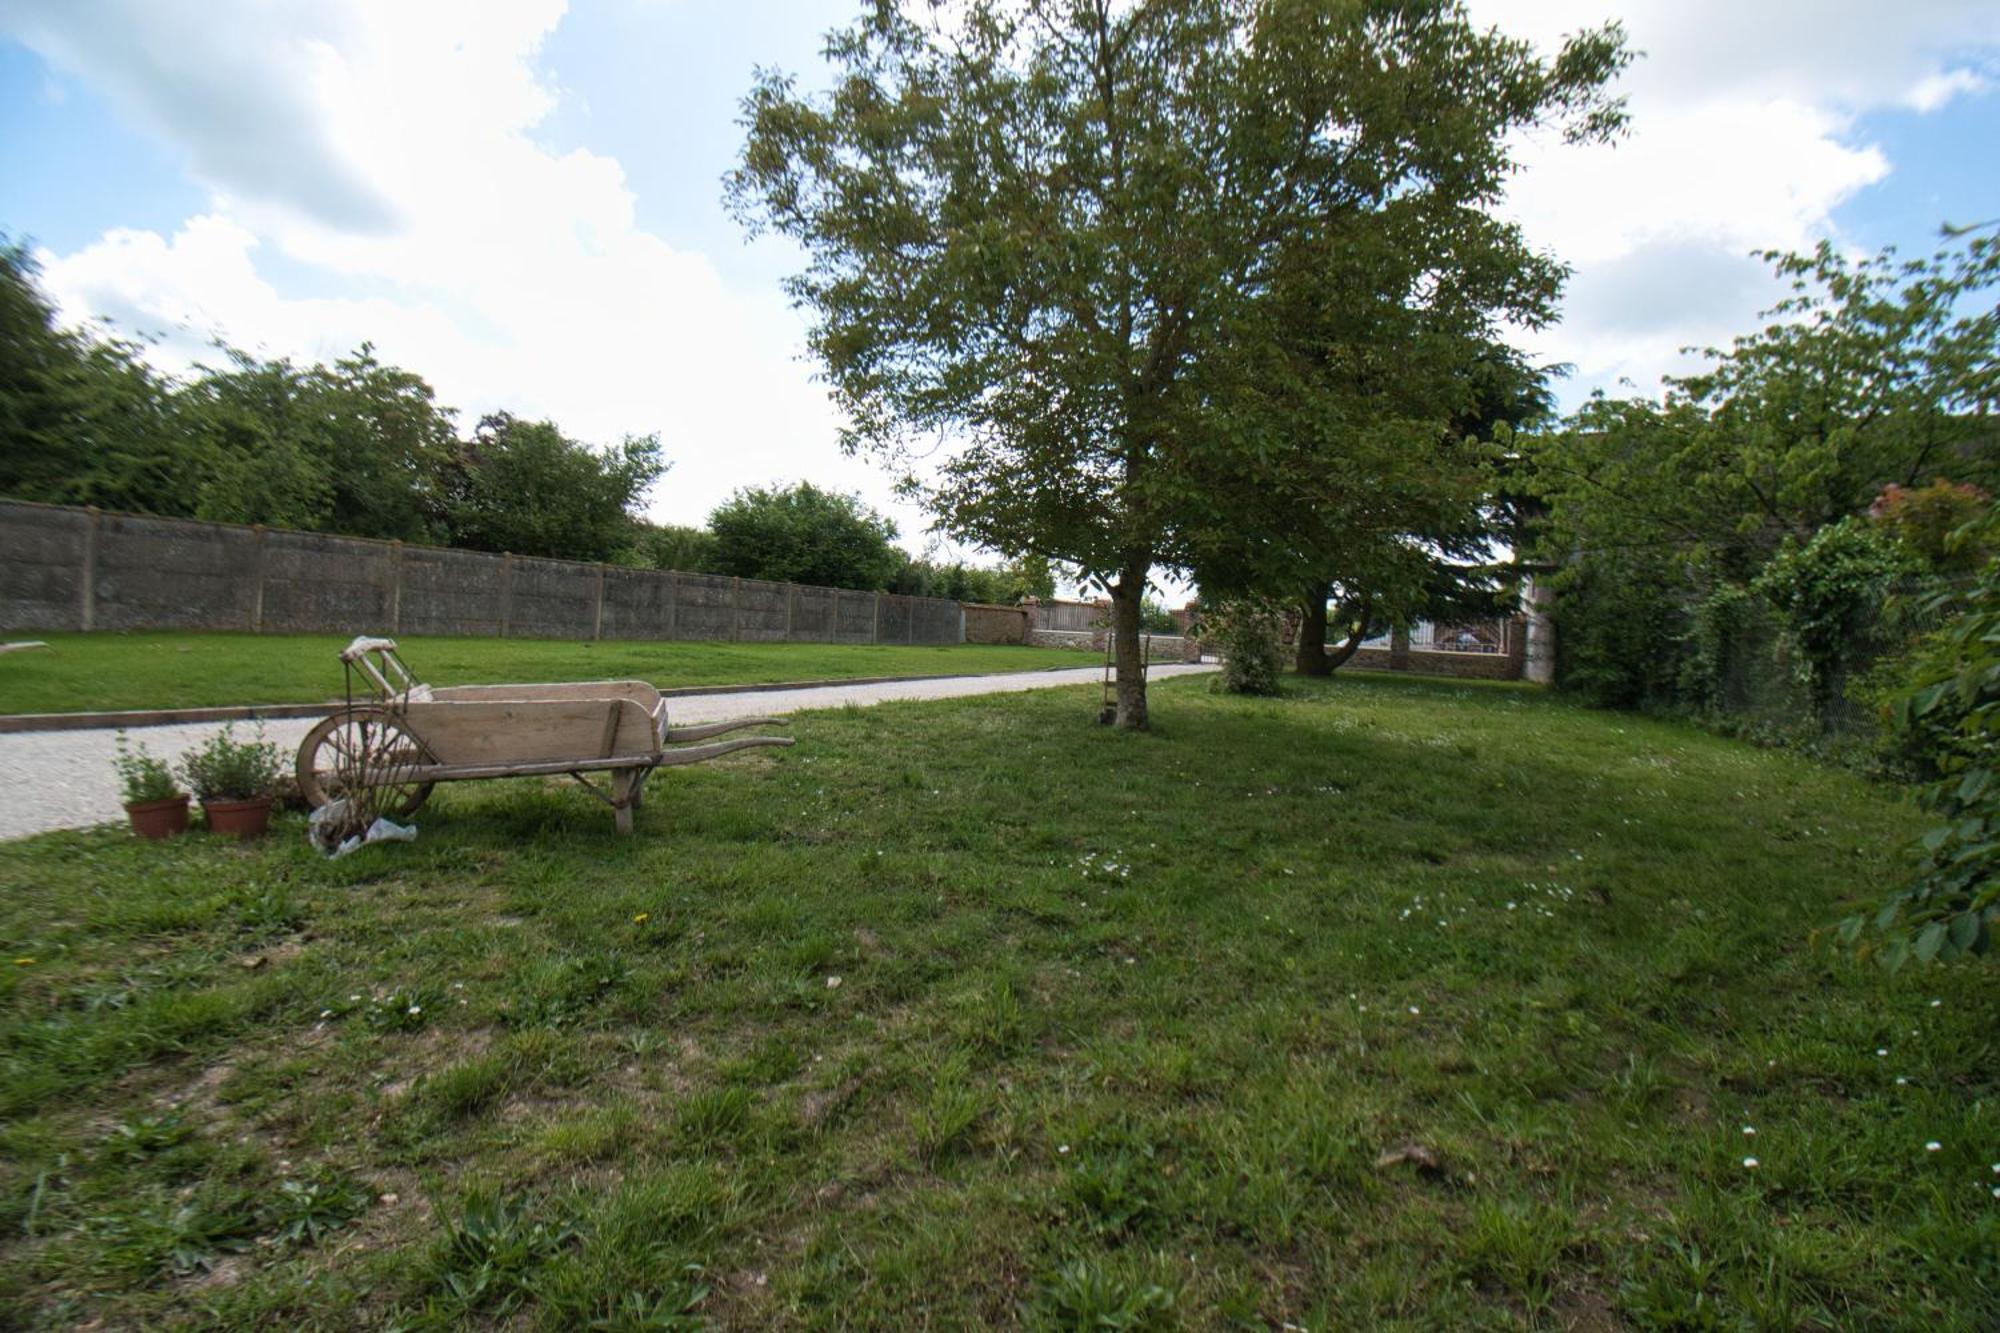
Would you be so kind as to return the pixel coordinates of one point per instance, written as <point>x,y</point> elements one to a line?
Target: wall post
<point>257,593</point>
<point>1538,647</point>
<point>506,591</point>
<point>86,611</point>
<point>735,608</point>
<point>673,603</point>
<point>597,624</point>
<point>396,585</point>
<point>875,634</point>
<point>791,595</point>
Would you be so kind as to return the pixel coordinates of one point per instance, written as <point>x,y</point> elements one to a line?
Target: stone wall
<point>1058,615</point>
<point>1400,656</point>
<point>985,623</point>
<point>78,569</point>
<point>1162,647</point>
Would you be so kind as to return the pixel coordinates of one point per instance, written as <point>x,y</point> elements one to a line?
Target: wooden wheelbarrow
<point>409,736</point>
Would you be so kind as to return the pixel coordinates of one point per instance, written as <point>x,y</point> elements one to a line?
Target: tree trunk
<point>1311,658</point>
<point>1128,648</point>
<point>1339,656</point>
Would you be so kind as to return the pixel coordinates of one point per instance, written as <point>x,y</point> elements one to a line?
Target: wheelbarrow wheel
<point>366,741</point>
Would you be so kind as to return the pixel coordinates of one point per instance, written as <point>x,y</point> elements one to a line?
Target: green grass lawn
<point>1389,1004</point>
<point>80,672</point>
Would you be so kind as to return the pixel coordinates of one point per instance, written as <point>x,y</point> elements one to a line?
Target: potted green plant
<point>234,780</point>
<point>154,802</point>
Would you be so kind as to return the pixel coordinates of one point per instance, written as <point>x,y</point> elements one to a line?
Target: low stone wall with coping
<point>1164,647</point>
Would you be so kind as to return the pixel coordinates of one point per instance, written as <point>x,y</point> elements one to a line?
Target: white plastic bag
<point>323,830</point>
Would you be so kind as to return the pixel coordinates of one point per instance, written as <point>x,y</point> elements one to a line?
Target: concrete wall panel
<point>638,604</point>
<point>451,592</point>
<point>763,610</point>
<point>552,599</point>
<point>41,567</point>
<point>316,582</point>
<point>157,573</point>
<point>707,609</point>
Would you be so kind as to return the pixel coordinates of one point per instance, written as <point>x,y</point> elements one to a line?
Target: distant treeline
<point>365,449</point>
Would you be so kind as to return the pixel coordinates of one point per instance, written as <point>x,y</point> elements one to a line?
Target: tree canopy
<point>1072,237</point>
<point>802,534</point>
<point>525,487</point>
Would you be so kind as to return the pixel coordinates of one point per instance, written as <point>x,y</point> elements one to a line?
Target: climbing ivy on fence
<point>1715,631</point>
<point>1952,905</point>
<point>1832,592</point>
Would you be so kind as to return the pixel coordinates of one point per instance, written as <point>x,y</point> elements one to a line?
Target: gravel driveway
<point>63,779</point>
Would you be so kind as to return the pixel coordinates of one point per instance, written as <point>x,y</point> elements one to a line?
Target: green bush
<point>141,776</point>
<point>1952,905</point>
<point>223,768</point>
<point>1248,633</point>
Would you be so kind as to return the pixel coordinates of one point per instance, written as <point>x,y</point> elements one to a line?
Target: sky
<point>521,199</point>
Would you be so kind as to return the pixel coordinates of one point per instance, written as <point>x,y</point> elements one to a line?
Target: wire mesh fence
<point>1764,682</point>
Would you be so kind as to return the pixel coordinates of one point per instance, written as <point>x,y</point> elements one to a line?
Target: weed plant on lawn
<point>81,672</point>
<point>1383,1004</point>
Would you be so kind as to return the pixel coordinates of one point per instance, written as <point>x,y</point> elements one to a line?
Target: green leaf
<point>1896,954</point>
<point>1929,940</point>
<point>1965,931</point>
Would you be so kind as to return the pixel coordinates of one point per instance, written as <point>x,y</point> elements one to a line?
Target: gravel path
<point>63,779</point>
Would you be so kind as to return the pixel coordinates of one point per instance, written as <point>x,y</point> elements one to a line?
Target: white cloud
<point>1743,138</point>
<point>391,162</point>
<point>1934,90</point>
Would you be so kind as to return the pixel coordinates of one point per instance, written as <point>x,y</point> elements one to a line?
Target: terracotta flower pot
<point>242,819</point>
<point>158,819</point>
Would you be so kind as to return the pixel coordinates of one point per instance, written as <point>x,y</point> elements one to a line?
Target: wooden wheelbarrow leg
<point>624,795</point>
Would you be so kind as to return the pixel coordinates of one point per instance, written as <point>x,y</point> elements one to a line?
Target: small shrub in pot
<point>234,780</point>
<point>154,802</point>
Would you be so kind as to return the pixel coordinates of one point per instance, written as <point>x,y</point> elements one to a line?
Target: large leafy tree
<point>1052,231</point>
<point>1417,530</point>
<point>524,486</point>
<point>256,444</point>
<point>961,582</point>
<point>671,546</point>
<point>386,443</point>
<point>83,420</point>
<point>803,534</point>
